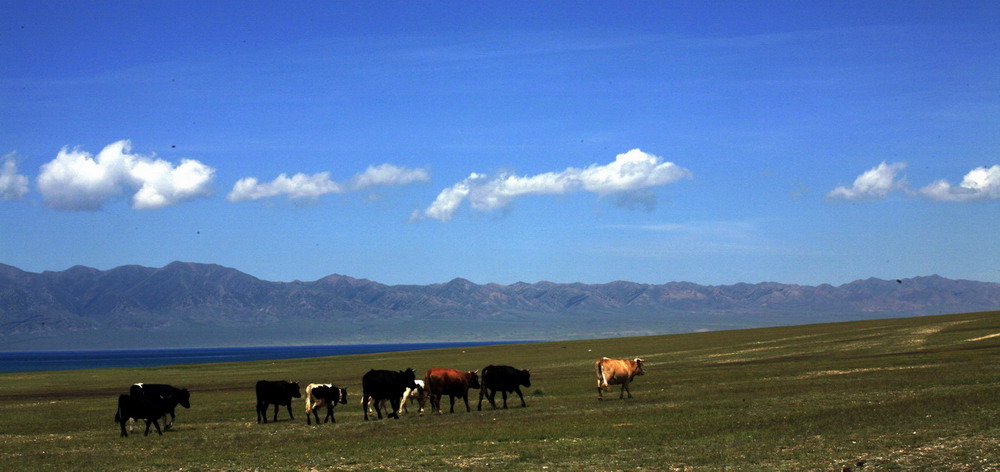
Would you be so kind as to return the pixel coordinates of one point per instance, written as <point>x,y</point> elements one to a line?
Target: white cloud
<point>630,171</point>
<point>448,200</point>
<point>164,185</point>
<point>297,187</point>
<point>302,187</point>
<point>981,183</point>
<point>389,175</point>
<point>13,186</point>
<point>628,175</point>
<point>76,180</point>
<point>876,183</point>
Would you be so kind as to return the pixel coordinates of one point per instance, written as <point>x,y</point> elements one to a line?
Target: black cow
<point>320,395</point>
<point>386,385</point>
<point>277,392</point>
<point>164,394</point>
<point>140,409</point>
<point>502,378</point>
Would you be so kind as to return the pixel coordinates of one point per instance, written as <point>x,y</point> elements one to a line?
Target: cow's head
<point>524,378</point>
<point>184,398</point>
<point>293,389</point>
<point>409,378</point>
<point>473,376</point>
<point>342,393</point>
<point>638,367</point>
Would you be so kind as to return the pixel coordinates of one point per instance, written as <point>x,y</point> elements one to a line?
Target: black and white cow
<point>409,395</point>
<point>276,392</point>
<point>139,408</point>
<point>503,379</point>
<point>378,385</point>
<point>320,395</point>
<point>167,395</point>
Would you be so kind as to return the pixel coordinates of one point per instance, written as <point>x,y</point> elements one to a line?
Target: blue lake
<point>33,361</point>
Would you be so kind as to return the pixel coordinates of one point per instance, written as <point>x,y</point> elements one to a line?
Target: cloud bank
<point>302,187</point>
<point>630,174</point>
<point>78,181</point>
<point>981,183</point>
<point>13,186</point>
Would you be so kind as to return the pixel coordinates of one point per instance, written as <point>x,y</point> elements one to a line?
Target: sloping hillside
<point>181,300</point>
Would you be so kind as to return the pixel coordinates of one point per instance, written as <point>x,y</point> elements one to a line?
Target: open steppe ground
<point>903,394</point>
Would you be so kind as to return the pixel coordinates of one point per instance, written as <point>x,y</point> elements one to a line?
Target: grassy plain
<point>902,394</point>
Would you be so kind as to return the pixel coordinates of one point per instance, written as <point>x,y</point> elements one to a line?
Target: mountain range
<point>188,304</point>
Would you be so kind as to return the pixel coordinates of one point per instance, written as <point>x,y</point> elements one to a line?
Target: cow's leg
<point>504,394</point>
<point>290,415</point>
<point>378,408</point>
<point>422,400</point>
<point>121,422</point>
<point>394,403</point>
<point>168,424</point>
<point>625,389</point>
<point>518,390</point>
<point>153,422</point>
<point>452,398</point>
<point>261,412</point>
<point>466,398</point>
<point>364,405</point>
<point>329,415</point>
<point>482,393</point>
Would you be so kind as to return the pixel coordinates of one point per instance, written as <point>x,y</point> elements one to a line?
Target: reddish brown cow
<point>451,382</point>
<point>616,371</point>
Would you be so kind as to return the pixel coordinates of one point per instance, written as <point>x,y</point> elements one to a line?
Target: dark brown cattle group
<point>151,402</point>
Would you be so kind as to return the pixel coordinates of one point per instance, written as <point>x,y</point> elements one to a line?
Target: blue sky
<point>416,142</point>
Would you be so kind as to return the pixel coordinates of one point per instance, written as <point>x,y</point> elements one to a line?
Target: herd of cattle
<point>382,390</point>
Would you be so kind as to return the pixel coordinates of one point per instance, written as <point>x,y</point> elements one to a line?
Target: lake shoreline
<point>60,360</point>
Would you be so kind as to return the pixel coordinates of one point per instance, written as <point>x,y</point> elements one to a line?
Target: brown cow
<point>616,371</point>
<point>451,382</point>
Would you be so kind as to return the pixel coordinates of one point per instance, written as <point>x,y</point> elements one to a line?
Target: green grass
<point>902,394</point>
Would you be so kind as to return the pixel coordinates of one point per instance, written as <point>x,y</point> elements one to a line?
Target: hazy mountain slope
<point>186,295</point>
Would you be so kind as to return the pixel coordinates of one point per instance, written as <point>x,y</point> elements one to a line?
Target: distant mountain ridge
<point>83,299</point>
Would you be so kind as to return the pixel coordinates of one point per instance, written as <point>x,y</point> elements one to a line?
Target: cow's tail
<point>602,378</point>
